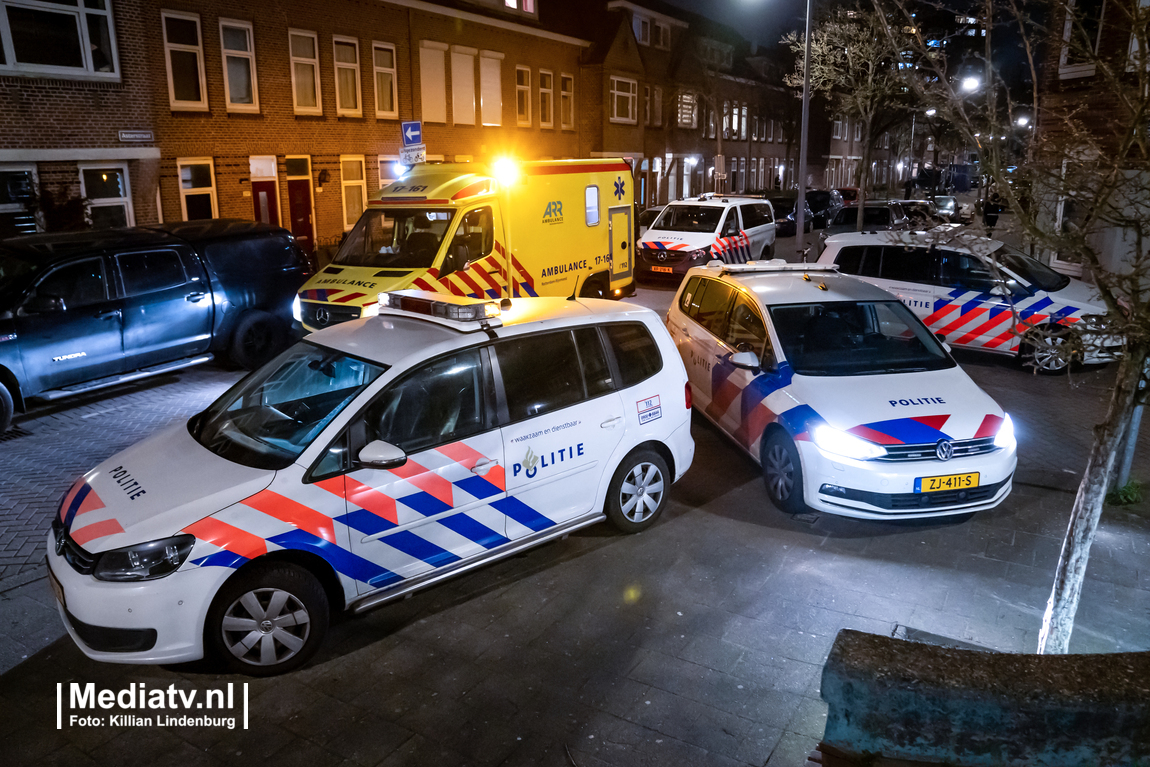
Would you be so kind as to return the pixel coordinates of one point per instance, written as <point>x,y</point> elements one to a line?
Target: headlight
<point>695,255</point>
<point>371,310</point>
<point>144,561</point>
<point>1005,437</point>
<point>840,443</point>
<point>296,310</point>
<point>1097,322</point>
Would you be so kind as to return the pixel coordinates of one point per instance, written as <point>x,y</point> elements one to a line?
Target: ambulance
<point>542,228</point>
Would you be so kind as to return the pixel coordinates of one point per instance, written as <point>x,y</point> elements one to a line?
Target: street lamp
<point>970,84</point>
<point>931,112</point>
<point>801,197</point>
<point>1022,122</point>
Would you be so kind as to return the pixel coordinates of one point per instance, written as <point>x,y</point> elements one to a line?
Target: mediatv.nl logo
<point>138,706</point>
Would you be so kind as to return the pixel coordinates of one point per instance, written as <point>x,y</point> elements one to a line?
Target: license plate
<point>946,482</point>
<point>57,589</point>
<point>665,269</point>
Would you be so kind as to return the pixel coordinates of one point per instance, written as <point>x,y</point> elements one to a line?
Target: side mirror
<point>942,339</point>
<point>381,455</point>
<point>745,361</point>
<point>456,258</point>
<point>44,305</point>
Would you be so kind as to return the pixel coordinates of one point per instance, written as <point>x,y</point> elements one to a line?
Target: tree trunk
<point>864,174</point>
<point>1058,622</point>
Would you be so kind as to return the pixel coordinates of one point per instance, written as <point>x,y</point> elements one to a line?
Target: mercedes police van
<point>849,403</point>
<point>689,233</point>
<point>367,461</point>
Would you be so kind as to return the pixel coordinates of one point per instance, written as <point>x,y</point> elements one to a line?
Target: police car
<point>969,289</point>
<point>849,403</point>
<point>690,233</point>
<point>369,460</point>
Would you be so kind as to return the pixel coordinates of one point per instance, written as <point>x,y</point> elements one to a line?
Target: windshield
<point>783,207</point>
<point>853,338</point>
<point>689,218</point>
<point>269,418</point>
<point>1037,274</point>
<point>407,238</point>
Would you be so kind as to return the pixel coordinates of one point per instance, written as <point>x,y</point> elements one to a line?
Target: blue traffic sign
<point>412,133</point>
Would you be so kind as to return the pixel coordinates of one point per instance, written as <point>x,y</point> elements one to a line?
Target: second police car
<point>372,459</point>
<point>849,403</point>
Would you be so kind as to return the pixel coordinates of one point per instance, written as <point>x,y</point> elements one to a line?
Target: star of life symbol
<point>619,188</point>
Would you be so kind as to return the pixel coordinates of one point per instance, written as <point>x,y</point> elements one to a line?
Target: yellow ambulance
<point>542,228</point>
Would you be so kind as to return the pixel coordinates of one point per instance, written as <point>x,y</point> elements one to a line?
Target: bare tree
<point>1082,194</point>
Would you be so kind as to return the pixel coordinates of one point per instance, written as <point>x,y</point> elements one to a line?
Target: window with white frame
<point>886,141</point>
<point>646,104</point>
<point>662,36</point>
<point>197,188</point>
<point>527,6</point>
<point>780,132</point>
<point>433,81</point>
<point>353,184</point>
<point>642,26</point>
<point>390,169</point>
<point>383,69</point>
<point>726,119</point>
<point>566,102</point>
<point>1081,35</point>
<point>238,48</point>
<point>743,122</point>
<point>346,60</point>
<point>523,96</point>
<point>304,54</point>
<point>546,99</point>
<point>624,98</point>
<point>184,57</point>
<point>687,114</point>
<point>463,85</point>
<point>858,130</point>
<point>105,187</point>
<point>771,130</point>
<point>491,87</point>
<point>19,187</point>
<point>657,107</point>
<point>49,37</point>
<point>837,127</point>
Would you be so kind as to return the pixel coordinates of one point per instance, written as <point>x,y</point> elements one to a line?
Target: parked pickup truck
<point>86,310</point>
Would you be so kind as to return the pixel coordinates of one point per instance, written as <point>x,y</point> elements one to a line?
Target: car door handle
<point>483,466</point>
<point>193,297</point>
<point>611,423</point>
<point>107,315</point>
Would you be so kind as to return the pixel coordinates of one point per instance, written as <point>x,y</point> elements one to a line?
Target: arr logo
<point>554,213</point>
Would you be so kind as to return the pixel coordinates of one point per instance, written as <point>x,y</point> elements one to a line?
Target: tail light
<point>687,393</point>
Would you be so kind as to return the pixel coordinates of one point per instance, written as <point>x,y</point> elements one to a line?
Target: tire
<point>783,473</point>
<point>595,287</point>
<point>257,338</point>
<point>1037,351</point>
<point>638,491</point>
<point>7,408</point>
<point>250,643</point>
<point>768,252</point>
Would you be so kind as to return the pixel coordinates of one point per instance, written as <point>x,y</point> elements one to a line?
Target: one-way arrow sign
<point>412,133</point>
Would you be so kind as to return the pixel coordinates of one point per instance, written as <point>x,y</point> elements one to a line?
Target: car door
<point>911,273</point>
<point>439,506</point>
<point>80,342</point>
<point>167,307</point>
<point>754,228</point>
<point>562,421</point>
<point>975,305</point>
<point>704,307</point>
<point>745,416</point>
<point>732,246</point>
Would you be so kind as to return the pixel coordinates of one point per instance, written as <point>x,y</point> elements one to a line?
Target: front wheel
<point>638,491</point>
<point>257,338</point>
<point>1048,351</point>
<point>268,620</point>
<point>768,252</point>
<point>783,473</point>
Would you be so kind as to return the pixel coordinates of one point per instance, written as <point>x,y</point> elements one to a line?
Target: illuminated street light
<point>970,84</point>
<point>398,169</point>
<point>1022,122</point>
<point>931,112</point>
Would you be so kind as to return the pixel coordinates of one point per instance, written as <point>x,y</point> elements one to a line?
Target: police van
<point>690,233</point>
<point>848,402</point>
<point>367,461</point>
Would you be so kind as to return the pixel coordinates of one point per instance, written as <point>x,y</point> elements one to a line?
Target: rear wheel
<point>783,473</point>
<point>768,252</point>
<point>595,287</point>
<point>268,620</point>
<point>257,338</point>
<point>7,408</point>
<point>638,491</point>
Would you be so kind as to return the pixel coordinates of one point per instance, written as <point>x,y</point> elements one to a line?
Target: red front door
<point>299,210</point>
<point>266,202</point>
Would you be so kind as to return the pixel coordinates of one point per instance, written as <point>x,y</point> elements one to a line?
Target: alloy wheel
<point>641,492</point>
<point>780,472</point>
<point>265,627</point>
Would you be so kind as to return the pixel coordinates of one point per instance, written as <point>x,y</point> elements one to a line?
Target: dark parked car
<point>785,216</point>
<point>644,220</point>
<point>877,216</point>
<point>825,203</point>
<point>86,310</point>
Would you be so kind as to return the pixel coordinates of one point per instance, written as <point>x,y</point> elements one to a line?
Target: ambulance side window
<point>591,205</point>
<point>476,232</point>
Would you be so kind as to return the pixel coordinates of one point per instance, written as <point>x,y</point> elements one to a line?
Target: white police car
<point>969,289</point>
<point>372,459</point>
<point>689,233</point>
<point>843,396</point>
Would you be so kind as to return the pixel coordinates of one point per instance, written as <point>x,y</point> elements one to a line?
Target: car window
<point>593,361</point>
<point>710,308</point>
<point>247,256</point>
<point>751,217</point>
<point>79,284</point>
<point>960,270</point>
<point>438,403</point>
<point>731,223</point>
<point>689,218</point>
<point>149,272</point>
<point>540,374</point>
<point>876,216</point>
<point>689,301</point>
<point>766,212</point>
<point>745,330</point>
<point>861,260</point>
<point>909,264</point>
<point>476,232</point>
<point>635,350</point>
<point>846,216</point>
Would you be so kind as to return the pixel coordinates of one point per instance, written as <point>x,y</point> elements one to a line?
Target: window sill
<point>244,109</point>
<point>308,112</point>
<point>1074,71</point>
<point>617,121</point>
<point>178,107</point>
<point>387,115</point>
<point>357,115</point>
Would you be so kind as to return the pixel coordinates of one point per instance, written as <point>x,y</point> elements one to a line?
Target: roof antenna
<point>574,289</point>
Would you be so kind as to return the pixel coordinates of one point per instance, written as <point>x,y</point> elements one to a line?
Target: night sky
<point>762,21</point>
